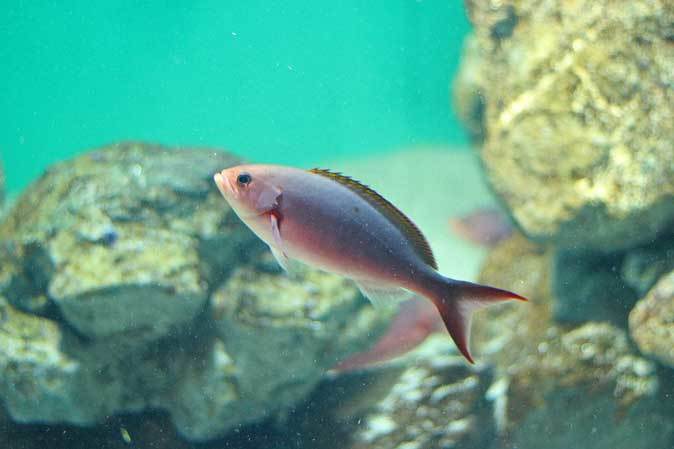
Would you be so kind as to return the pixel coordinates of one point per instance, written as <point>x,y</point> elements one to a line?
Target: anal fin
<point>380,295</point>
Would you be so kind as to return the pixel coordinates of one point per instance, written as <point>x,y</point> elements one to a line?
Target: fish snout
<point>224,185</point>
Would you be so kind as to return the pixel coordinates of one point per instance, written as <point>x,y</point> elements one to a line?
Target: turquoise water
<point>288,82</point>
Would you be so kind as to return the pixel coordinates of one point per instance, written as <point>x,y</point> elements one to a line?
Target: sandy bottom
<point>429,185</point>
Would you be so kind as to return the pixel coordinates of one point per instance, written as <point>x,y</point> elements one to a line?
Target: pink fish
<point>484,227</point>
<point>336,224</point>
<point>415,321</point>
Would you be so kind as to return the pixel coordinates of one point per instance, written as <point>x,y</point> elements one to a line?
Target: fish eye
<point>244,179</point>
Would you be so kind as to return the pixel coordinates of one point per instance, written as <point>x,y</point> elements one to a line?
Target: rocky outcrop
<point>438,401</point>
<point>280,335</point>
<point>587,286</point>
<point>576,101</point>
<point>572,106</point>
<point>468,99</point>
<point>568,383</point>
<point>429,398</point>
<point>652,321</point>
<point>129,284</point>
<point>642,267</point>
<point>590,285</point>
<point>125,222</point>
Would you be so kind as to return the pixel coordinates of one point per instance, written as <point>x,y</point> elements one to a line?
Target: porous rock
<point>578,116</point>
<point>437,402</point>
<point>588,286</point>
<point>125,228</point>
<point>643,266</point>
<point>652,321</point>
<point>468,96</point>
<point>430,398</point>
<point>577,385</point>
<point>281,334</point>
<point>37,379</point>
<point>591,285</point>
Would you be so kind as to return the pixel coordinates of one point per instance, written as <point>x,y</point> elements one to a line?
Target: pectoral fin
<point>281,258</point>
<point>278,248</point>
<point>276,233</point>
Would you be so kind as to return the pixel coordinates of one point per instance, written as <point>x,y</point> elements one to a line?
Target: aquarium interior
<point>530,142</point>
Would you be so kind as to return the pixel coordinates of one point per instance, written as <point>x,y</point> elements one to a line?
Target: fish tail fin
<point>457,300</point>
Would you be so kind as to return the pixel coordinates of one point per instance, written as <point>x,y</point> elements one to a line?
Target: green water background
<point>286,82</point>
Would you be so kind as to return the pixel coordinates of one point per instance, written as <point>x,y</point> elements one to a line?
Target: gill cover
<point>268,195</point>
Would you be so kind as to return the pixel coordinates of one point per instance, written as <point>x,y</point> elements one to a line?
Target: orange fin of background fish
<point>457,300</point>
<point>399,219</point>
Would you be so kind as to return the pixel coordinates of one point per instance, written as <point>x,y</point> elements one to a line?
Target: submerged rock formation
<point>652,321</point>
<point>110,265</point>
<point>576,100</point>
<point>542,367</point>
<point>438,401</point>
<point>430,398</point>
<point>642,267</point>
<point>588,286</point>
<point>468,89</point>
<point>572,104</point>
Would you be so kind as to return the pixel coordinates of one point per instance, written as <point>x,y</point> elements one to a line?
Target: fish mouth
<point>224,186</point>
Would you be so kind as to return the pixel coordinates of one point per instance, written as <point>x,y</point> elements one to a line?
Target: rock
<point>588,286</point>
<point>643,266</point>
<point>578,120</point>
<point>429,398</point>
<point>38,380</point>
<point>437,402</point>
<point>587,388</point>
<point>652,321</point>
<point>467,90</point>
<point>523,267</point>
<point>112,265</point>
<point>267,321</point>
<point>128,221</point>
<point>577,386</point>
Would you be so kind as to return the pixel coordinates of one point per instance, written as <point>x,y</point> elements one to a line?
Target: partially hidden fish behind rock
<point>485,227</point>
<point>415,321</point>
<point>334,223</point>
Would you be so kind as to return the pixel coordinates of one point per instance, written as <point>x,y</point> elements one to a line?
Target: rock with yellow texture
<point>578,116</point>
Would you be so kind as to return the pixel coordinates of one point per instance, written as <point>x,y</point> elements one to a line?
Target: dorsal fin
<point>400,220</point>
